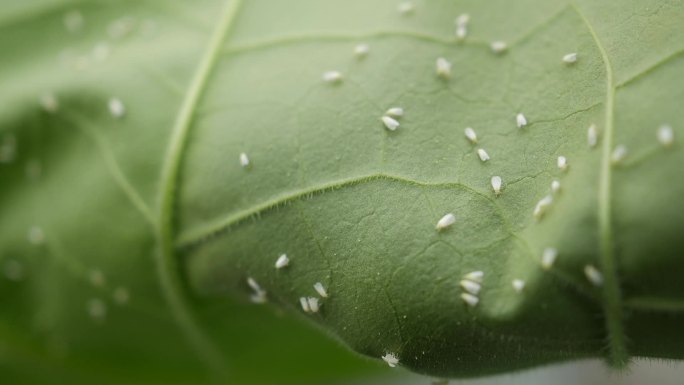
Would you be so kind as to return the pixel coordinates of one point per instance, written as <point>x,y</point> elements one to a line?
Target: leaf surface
<point>126,240</point>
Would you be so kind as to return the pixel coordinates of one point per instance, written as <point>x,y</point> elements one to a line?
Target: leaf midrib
<point>618,354</point>
<point>167,268</point>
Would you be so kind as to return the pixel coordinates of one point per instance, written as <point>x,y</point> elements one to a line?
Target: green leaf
<point>129,228</point>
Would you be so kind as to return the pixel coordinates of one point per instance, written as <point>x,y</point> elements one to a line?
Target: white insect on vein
<point>593,275</point>
<point>549,256</point>
<point>446,221</point>
<point>244,160</point>
<point>555,186</point>
<point>520,120</point>
<point>665,135</point>
<point>259,295</point>
<point>462,26</point>
<point>570,58</point>
<point>470,135</point>
<point>592,136</point>
<point>496,184</point>
<point>619,154</point>
<point>332,77</point>
<point>482,154</point>
<point>282,261</point>
<point>498,46</point>
<point>391,359</point>
<point>116,108</point>
<point>443,68</point>
<point>320,289</point>
<point>518,285</point>
<point>542,207</point>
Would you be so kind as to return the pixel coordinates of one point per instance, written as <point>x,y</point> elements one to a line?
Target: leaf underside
<point>127,242</point>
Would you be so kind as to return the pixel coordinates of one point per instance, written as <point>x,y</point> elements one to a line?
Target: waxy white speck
<point>49,103</point>
<point>332,76</point>
<point>244,160</point>
<point>406,7</point>
<point>361,50</point>
<point>482,154</point>
<point>305,304</point>
<point>395,112</point>
<point>8,149</point>
<point>518,285</point>
<point>121,295</point>
<point>665,135</point>
<point>259,295</point>
<point>475,276</point>
<point>496,184</point>
<point>498,46</point>
<point>36,236</point>
<point>470,286</point>
<point>593,275</point>
<point>443,67</point>
<point>619,154</point>
<point>461,32</point>
<point>34,169</point>
<point>520,120</point>
<point>445,221</point>
<point>471,135</point>
<point>282,261</point>
<point>562,163</point>
<point>73,21</point>
<point>462,26</point>
<point>570,58</point>
<point>592,136</point>
<point>253,284</point>
<point>320,289</point>
<point>116,108</point>
<point>313,304</point>
<point>14,271</point>
<point>470,299</point>
<point>390,123</point>
<point>542,206</point>
<point>391,360</point>
<point>96,278</point>
<point>97,309</point>
<point>462,19</point>
<point>549,257</point>
<point>555,186</point>
<point>121,27</point>
<point>101,51</point>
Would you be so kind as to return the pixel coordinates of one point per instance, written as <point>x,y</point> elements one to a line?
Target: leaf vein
<point>167,267</point>
<point>618,355</point>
